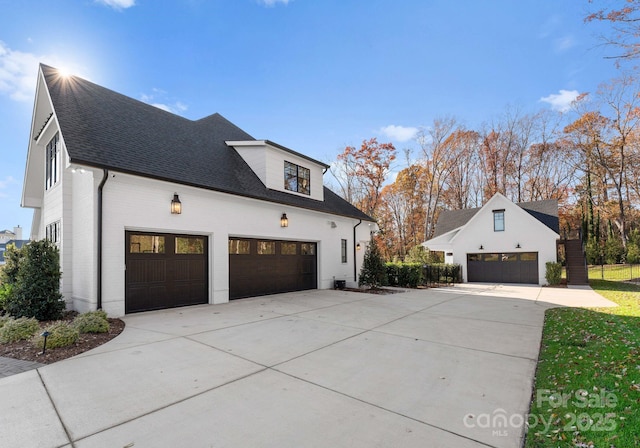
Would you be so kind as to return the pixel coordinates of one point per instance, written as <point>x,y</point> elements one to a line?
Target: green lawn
<point>588,377</point>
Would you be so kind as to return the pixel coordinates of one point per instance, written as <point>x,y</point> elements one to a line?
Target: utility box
<point>339,284</point>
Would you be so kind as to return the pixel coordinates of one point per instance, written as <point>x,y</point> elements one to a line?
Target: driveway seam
<point>55,408</point>
<point>383,408</point>
<point>166,406</point>
<point>454,345</point>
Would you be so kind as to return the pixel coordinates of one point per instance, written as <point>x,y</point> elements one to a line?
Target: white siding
<point>267,162</point>
<point>134,203</point>
<point>520,228</point>
<point>83,218</point>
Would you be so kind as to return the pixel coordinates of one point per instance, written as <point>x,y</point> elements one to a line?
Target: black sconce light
<point>481,247</point>
<point>358,247</point>
<point>518,246</point>
<point>284,221</point>
<point>176,205</point>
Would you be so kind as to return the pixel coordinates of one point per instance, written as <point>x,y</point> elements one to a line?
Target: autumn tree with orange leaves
<point>362,172</point>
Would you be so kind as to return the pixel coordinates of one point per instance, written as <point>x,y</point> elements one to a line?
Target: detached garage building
<point>501,242</point>
<point>151,210</point>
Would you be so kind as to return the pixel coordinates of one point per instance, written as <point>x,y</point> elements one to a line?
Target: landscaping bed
<point>26,351</point>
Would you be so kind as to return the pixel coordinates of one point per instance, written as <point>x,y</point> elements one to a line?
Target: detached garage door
<point>521,267</point>
<point>165,271</point>
<point>259,267</point>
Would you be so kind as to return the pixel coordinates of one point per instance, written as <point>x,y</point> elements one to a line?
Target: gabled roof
<point>544,211</point>
<point>105,129</point>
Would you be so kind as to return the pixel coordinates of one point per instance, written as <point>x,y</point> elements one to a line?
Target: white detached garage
<point>500,242</point>
<point>151,210</point>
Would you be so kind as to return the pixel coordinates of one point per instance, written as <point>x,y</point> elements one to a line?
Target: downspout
<point>355,268</point>
<point>105,176</point>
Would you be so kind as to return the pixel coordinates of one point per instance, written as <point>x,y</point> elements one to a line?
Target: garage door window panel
<point>189,245</point>
<point>289,249</point>
<point>239,247</point>
<point>147,244</point>
<point>266,247</point>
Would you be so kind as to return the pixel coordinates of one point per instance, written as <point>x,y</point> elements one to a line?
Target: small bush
<point>406,275</point>
<point>633,254</point>
<point>4,319</point>
<point>17,329</point>
<point>5,292</point>
<point>554,273</point>
<point>92,322</point>
<point>61,334</point>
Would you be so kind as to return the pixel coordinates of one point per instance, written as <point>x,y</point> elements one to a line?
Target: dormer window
<point>297,178</point>
<point>498,220</point>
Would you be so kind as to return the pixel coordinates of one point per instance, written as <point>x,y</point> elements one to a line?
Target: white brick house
<point>103,171</point>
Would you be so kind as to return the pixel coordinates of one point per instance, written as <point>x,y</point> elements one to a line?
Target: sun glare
<point>64,72</point>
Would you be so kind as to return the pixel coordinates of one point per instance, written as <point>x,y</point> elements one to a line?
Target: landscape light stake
<point>44,335</point>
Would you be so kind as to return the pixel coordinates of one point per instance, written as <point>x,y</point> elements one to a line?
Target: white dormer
<point>283,169</point>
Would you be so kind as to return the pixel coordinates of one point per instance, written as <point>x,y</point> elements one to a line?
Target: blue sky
<point>312,75</point>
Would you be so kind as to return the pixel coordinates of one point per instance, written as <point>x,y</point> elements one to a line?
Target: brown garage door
<point>521,267</point>
<point>259,267</point>
<point>164,271</point>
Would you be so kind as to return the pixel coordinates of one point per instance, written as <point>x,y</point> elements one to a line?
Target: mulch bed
<point>381,291</point>
<point>25,351</point>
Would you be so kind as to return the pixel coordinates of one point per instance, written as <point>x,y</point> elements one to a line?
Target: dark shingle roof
<point>105,129</point>
<point>544,211</point>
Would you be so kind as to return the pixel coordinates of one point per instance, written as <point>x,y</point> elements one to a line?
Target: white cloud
<point>118,4</point>
<point>9,180</point>
<point>562,100</point>
<point>399,133</point>
<point>271,3</point>
<point>158,99</point>
<point>18,72</point>
<point>564,43</point>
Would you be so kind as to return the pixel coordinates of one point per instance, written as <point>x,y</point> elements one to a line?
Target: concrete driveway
<point>310,369</point>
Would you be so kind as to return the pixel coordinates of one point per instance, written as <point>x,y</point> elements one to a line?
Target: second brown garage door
<point>260,267</point>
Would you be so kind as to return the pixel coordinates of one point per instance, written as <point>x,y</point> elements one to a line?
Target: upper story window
<point>52,232</point>
<point>498,220</point>
<point>297,178</point>
<point>52,163</point>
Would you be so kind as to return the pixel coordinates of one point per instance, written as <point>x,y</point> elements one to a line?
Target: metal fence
<point>446,274</point>
<point>615,272</point>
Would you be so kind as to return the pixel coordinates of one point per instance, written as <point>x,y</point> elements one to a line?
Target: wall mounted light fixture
<point>358,247</point>
<point>481,247</point>
<point>176,205</point>
<point>518,246</point>
<point>284,221</point>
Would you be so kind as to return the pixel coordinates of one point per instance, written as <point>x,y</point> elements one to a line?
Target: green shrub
<point>633,254</point>
<point>9,271</point>
<point>5,292</point>
<point>554,273</point>
<point>92,322</point>
<point>373,271</point>
<point>17,329</point>
<point>36,283</point>
<point>406,275</point>
<point>4,319</point>
<point>61,334</point>
<point>613,250</point>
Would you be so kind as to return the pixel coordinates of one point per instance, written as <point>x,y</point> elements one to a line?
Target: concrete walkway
<point>310,369</point>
